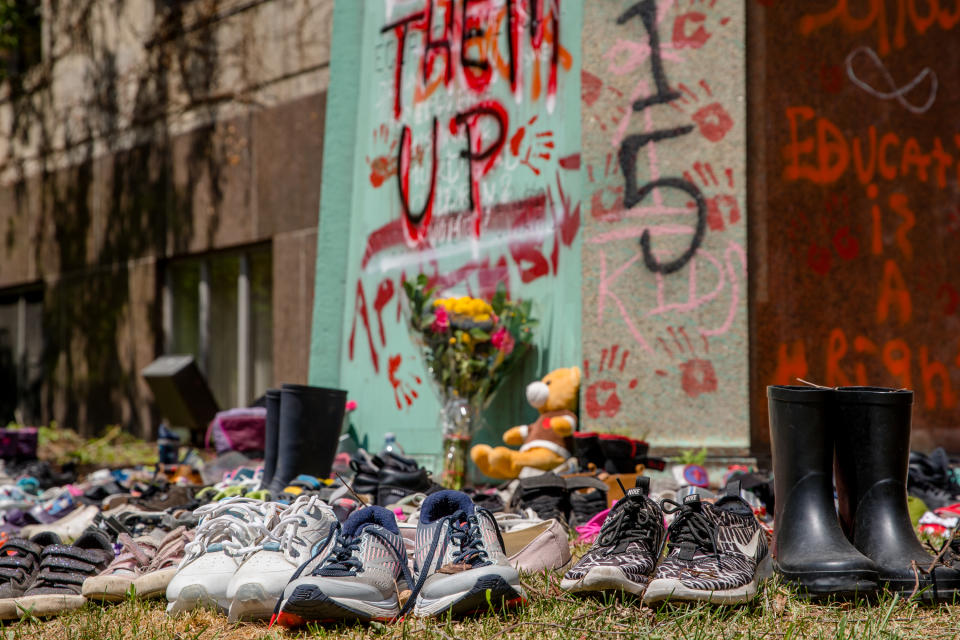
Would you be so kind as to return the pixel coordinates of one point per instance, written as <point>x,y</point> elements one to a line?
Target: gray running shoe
<point>716,553</point>
<point>460,561</point>
<point>302,532</point>
<point>626,551</point>
<point>359,577</point>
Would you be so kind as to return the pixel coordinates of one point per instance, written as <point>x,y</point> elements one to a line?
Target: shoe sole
<point>251,603</point>
<point>603,579</point>
<point>835,584</point>
<point>39,605</point>
<point>487,591</point>
<point>309,604</point>
<point>925,590</point>
<point>154,584</point>
<point>106,588</point>
<point>196,597</point>
<point>661,590</point>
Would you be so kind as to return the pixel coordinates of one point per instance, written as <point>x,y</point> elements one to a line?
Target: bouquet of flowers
<point>470,345</point>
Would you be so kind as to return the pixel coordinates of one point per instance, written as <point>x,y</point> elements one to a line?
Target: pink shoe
<point>589,531</point>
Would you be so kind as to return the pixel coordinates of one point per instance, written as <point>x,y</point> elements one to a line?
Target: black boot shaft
<point>271,429</point>
<point>873,446</point>
<point>810,549</point>
<point>311,419</point>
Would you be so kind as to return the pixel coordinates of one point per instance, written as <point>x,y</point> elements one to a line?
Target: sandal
<point>114,583</point>
<point>19,561</point>
<point>152,583</point>
<point>57,585</point>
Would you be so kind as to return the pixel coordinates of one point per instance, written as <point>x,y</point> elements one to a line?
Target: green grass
<point>776,613</point>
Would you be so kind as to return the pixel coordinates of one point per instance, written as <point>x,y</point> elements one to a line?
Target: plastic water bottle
<point>390,445</point>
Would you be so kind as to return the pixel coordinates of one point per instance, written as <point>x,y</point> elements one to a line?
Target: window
<point>21,23</point>
<point>219,308</point>
<point>21,355</point>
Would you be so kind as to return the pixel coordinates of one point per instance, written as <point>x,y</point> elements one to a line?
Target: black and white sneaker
<point>716,553</point>
<point>626,551</point>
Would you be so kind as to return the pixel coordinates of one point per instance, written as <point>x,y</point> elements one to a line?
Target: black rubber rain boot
<point>873,445</point>
<point>809,548</point>
<point>586,449</point>
<point>310,422</point>
<point>271,429</point>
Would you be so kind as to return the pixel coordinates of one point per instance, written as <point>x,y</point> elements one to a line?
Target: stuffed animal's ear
<point>577,374</point>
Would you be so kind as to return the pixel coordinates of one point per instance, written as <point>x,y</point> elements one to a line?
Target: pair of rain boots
<point>302,433</point>
<point>860,437</point>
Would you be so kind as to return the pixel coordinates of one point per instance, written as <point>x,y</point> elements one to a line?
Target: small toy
<point>545,444</point>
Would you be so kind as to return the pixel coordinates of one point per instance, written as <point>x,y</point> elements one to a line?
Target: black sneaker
<point>930,479</point>
<point>626,551</point>
<point>389,477</point>
<point>400,477</point>
<point>546,494</point>
<point>366,469</point>
<point>584,505</point>
<point>716,553</point>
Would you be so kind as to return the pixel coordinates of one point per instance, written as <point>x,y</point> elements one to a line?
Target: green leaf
<point>426,321</point>
<point>479,335</point>
<point>422,280</point>
<point>499,298</point>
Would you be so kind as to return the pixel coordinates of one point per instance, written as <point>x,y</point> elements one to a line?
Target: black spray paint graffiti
<point>647,12</point>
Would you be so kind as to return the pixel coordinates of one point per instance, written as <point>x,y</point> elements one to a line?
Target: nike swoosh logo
<point>750,549</point>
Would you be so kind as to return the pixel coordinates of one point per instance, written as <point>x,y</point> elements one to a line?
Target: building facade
<point>158,194</point>
<point>700,197</point>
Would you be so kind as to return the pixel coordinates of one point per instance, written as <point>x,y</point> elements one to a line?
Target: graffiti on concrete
<point>470,172</point>
<point>862,208</point>
<point>663,259</point>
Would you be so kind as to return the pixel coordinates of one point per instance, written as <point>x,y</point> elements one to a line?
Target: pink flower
<point>441,320</point>
<point>351,405</point>
<point>502,340</point>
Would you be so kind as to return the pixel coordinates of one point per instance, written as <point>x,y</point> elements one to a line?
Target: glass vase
<point>459,420</point>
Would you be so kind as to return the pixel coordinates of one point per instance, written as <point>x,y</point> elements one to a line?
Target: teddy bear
<point>545,444</point>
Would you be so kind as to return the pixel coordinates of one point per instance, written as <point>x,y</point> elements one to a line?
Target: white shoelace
<point>286,532</point>
<point>236,523</point>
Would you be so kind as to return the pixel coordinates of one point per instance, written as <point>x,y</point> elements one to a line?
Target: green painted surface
<point>522,226</point>
<point>338,152</point>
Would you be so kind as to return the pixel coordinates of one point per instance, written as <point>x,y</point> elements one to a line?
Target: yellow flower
<point>465,338</point>
<point>453,341</point>
<point>483,317</point>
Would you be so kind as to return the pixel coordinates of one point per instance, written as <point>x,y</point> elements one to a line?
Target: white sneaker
<point>228,531</point>
<point>302,532</point>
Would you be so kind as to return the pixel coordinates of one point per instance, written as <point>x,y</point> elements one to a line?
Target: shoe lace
<point>342,559</point>
<point>466,531</point>
<point>286,532</point>
<point>691,526</point>
<point>631,520</point>
<point>469,538</point>
<point>236,523</point>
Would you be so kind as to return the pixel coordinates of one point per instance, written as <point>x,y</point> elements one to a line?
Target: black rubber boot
<point>586,449</point>
<point>310,422</point>
<point>873,445</point>
<point>809,548</point>
<point>271,432</point>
